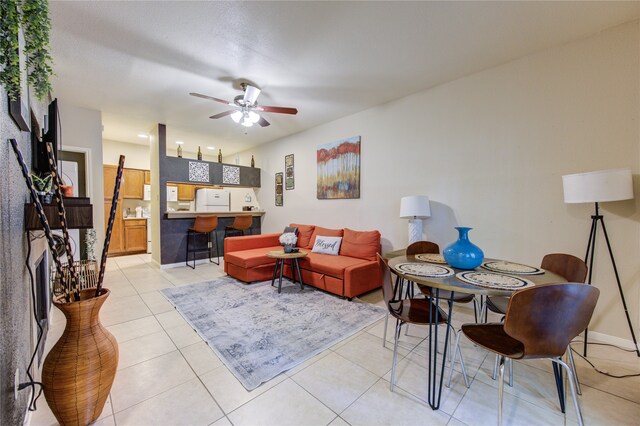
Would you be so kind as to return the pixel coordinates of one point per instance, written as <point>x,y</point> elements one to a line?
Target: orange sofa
<point>353,272</point>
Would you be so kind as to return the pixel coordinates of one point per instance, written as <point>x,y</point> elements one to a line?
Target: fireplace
<point>42,291</point>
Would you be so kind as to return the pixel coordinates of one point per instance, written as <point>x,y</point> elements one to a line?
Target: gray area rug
<point>259,333</point>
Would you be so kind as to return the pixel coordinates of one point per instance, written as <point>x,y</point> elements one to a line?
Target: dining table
<point>490,279</point>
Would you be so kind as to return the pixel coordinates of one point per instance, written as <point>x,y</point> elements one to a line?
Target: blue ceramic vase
<point>463,254</point>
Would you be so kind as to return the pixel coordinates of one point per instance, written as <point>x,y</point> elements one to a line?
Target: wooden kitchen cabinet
<point>116,244</point>
<point>109,182</point>
<point>135,235</point>
<point>186,192</point>
<point>147,177</point>
<point>133,185</point>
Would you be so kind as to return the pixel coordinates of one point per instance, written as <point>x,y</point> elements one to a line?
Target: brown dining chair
<point>405,311</point>
<point>203,225</point>
<point>240,224</point>
<point>570,268</point>
<point>540,322</point>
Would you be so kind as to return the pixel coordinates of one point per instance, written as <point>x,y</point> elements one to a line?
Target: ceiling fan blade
<point>211,98</point>
<point>251,95</point>
<point>223,114</point>
<point>281,110</point>
<point>263,122</point>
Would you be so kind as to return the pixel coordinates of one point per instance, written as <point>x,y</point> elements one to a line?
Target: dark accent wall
<point>173,232</point>
<point>15,297</point>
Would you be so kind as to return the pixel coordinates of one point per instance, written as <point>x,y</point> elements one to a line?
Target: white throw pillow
<point>327,245</point>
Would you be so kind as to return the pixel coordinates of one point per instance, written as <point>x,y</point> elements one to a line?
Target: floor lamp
<point>415,208</point>
<point>599,187</point>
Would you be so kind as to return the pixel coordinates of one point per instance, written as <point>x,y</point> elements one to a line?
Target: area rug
<point>259,333</point>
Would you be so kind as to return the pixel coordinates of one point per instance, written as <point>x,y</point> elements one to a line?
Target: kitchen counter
<point>191,214</point>
<point>133,218</point>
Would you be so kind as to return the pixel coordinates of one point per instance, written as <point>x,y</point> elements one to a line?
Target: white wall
<point>136,156</point>
<point>82,127</point>
<point>489,150</point>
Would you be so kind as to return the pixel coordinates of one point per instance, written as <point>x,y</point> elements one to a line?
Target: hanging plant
<point>33,16</point>
<point>36,24</point>
<point>9,57</point>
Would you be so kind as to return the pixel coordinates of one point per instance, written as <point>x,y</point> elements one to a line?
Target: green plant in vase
<point>43,186</point>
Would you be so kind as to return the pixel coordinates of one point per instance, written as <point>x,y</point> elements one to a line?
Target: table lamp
<point>415,208</point>
<point>599,187</point>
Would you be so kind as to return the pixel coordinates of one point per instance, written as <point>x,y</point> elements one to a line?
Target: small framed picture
<point>279,189</point>
<point>289,178</point>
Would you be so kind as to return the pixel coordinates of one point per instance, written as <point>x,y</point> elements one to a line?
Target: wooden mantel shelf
<point>79,212</point>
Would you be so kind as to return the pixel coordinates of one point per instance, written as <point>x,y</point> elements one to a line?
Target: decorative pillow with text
<point>327,245</point>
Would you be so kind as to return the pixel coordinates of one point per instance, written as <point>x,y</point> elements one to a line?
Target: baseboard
<point>181,264</point>
<point>613,340</point>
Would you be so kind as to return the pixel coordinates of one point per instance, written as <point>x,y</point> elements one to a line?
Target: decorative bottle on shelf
<point>179,151</point>
<point>463,254</point>
<point>253,162</point>
<point>220,156</point>
<point>199,154</point>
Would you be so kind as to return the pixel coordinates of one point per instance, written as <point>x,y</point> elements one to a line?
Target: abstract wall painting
<point>339,169</point>
<point>289,179</point>
<point>279,189</point>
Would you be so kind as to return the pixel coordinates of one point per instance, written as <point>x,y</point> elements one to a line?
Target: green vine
<point>9,57</point>
<point>33,16</point>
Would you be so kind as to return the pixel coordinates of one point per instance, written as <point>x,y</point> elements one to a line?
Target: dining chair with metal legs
<point>406,311</point>
<point>540,322</point>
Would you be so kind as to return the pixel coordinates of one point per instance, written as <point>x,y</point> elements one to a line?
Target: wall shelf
<point>79,212</point>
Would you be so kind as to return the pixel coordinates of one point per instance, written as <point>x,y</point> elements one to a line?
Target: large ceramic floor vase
<point>79,370</point>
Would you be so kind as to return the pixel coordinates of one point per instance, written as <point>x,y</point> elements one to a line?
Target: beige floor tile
<point>170,319</point>
<point>201,357</point>
<point>107,421</point>
<point>224,421</point>
<point>183,335</point>
<point>121,289</point>
<point>285,404</point>
<point>187,404</point>
<point>135,328</point>
<point>142,381</point>
<point>338,421</point>
<point>455,422</point>
<point>335,381</point>
<point>229,392</point>
<point>601,408</point>
<point>123,309</point>
<point>380,406</point>
<point>479,407</point>
<point>307,363</point>
<point>367,351</point>
<point>156,302</point>
<point>146,283</point>
<point>144,348</point>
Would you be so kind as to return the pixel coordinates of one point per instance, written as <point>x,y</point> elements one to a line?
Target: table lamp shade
<point>599,186</point>
<point>415,206</point>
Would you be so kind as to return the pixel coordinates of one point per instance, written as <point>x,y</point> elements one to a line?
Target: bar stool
<point>203,225</point>
<point>240,224</point>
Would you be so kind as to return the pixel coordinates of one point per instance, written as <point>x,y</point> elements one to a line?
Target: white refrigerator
<point>212,200</point>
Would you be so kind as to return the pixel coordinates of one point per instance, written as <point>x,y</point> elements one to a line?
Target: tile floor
<point>168,376</point>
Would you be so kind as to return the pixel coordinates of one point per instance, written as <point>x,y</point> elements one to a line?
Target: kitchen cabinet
<point>186,192</point>
<point>135,235</point>
<point>109,182</point>
<point>147,177</point>
<point>116,243</point>
<point>133,185</point>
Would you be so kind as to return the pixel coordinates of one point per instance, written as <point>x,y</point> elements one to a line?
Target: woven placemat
<point>424,270</point>
<point>431,258</point>
<point>505,267</point>
<point>495,281</point>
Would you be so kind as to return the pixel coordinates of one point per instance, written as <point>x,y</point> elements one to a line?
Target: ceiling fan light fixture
<point>254,117</point>
<point>246,120</point>
<point>236,116</point>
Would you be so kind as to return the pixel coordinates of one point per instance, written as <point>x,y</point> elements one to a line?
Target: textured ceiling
<point>137,61</point>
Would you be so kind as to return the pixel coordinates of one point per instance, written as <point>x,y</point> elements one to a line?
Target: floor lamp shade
<point>415,208</point>
<point>598,187</point>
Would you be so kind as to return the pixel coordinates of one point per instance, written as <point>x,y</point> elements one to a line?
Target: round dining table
<point>454,284</point>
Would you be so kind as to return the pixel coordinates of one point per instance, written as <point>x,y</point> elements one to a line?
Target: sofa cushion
<point>324,232</point>
<point>304,234</point>
<point>251,258</point>
<point>328,264</point>
<point>327,245</point>
<point>360,244</point>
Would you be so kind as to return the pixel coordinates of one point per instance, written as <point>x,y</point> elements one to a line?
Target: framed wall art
<point>339,169</point>
<point>279,189</point>
<point>289,179</point>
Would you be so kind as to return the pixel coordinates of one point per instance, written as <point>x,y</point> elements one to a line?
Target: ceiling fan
<point>246,108</point>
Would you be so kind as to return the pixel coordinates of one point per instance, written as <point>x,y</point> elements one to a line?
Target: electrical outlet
<point>16,383</point>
